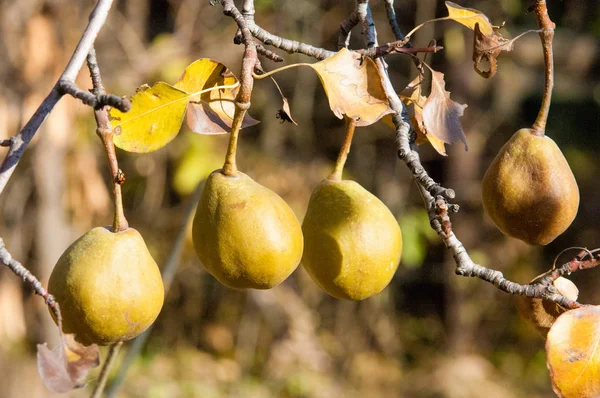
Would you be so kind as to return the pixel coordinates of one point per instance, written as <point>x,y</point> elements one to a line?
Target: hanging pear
<point>108,286</point>
<point>529,191</point>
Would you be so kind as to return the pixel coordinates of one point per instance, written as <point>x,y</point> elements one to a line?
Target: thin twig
<point>31,280</point>
<point>465,266</point>
<point>393,21</point>
<point>95,101</point>
<point>350,22</point>
<point>105,132</point>
<point>22,139</point>
<point>111,358</point>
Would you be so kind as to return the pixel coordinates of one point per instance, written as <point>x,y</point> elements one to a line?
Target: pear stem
<point>230,165</point>
<point>242,100</point>
<point>106,134</point>
<point>344,151</point>
<point>546,35</point>
<point>111,357</point>
<point>119,222</point>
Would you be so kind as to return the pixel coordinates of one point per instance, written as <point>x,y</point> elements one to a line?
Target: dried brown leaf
<point>412,95</point>
<point>542,314</point>
<point>441,115</point>
<point>65,367</point>
<point>488,47</point>
<point>285,113</point>
<point>353,86</point>
<point>201,118</point>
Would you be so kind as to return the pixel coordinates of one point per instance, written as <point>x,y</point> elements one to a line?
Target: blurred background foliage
<point>429,334</point>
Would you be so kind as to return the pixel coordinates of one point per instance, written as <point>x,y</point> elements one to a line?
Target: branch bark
<point>22,139</point>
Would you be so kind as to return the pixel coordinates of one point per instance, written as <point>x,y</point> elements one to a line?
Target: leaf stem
<point>336,175</point>
<point>113,352</point>
<point>272,72</point>
<point>546,35</point>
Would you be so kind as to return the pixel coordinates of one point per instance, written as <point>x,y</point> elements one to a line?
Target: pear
<point>245,235</point>
<point>108,286</point>
<point>529,191</point>
<point>352,241</point>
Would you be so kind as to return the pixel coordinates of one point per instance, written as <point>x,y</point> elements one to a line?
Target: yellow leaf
<point>469,17</point>
<point>353,86</point>
<point>212,111</point>
<point>573,354</point>
<point>154,119</point>
<point>157,112</point>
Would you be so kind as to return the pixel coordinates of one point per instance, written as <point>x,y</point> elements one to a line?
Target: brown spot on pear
<point>108,286</point>
<point>529,191</point>
<point>245,235</point>
<point>353,242</point>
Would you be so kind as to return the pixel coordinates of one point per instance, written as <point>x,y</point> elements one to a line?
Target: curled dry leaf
<point>211,112</point>
<point>65,367</point>
<point>206,90</point>
<point>543,313</point>
<point>441,115</point>
<point>572,353</point>
<point>353,86</point>
<point>285,113</point>
<point>412,95</point>
<point>488,47</point>
<point>469,17</point>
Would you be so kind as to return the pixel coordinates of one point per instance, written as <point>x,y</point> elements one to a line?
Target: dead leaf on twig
<point>441,115</point>
<point>412,95</point>
<point>488,47</point>
<point>285,114</point>
<point>353,86</point>
<point>65,367</point>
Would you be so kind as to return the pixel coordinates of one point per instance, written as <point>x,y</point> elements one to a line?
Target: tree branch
<point>106,134</point>
<point>95,101</point>
<point>350,22</point>
<point>22,139</point>
<point>18,269</point>
<point>393,21</point>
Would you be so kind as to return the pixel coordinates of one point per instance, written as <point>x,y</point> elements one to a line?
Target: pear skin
<point>108,286</point>
<point>529,190</point>
<point>245,235</point>
<point>353,242</point>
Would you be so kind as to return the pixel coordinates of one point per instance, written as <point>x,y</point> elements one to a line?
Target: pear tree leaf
<point>353,86</point>
<point>154,119</point>
<point>412,95</point>
<point>488,47</point>
<point>441,115</point>
<point>573,354</point>
<point>542,314</point>
<point>157,112</point>
<point>65,367</point>
<point>212,111</point>
<point>469,17</point>
<point>285,113</point>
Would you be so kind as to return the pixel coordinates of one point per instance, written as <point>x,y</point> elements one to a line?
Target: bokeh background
<point>429,334</point>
